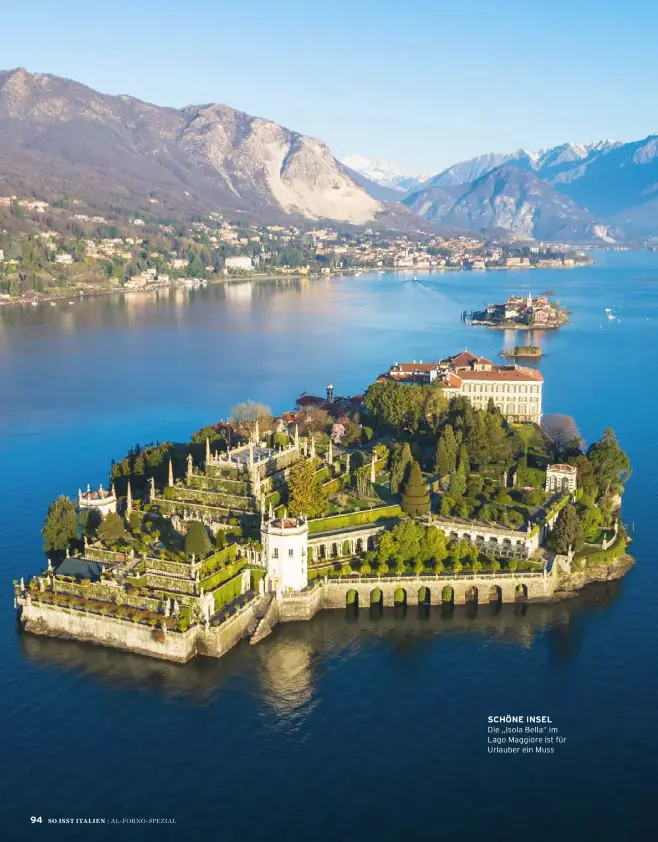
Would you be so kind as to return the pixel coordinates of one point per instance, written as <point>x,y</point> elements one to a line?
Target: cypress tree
<point>463,465</point>
<point>568,531</point>
<point>400,462</point>
<point>416,497</point>
<point>197,541</point>
<point>441,459</point>
<point>451,446</point>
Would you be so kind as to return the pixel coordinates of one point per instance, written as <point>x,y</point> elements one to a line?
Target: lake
<point>350,726</point>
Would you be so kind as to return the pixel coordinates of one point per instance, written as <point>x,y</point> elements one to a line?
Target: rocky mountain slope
<point>607,188</point>
<point>58,135</point>
<point>512,199</point>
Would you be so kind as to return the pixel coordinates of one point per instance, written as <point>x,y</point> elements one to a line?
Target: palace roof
<point>517,374</point>
<point>465,359</point>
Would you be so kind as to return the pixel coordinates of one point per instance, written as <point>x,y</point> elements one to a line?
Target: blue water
<point>341,728</point>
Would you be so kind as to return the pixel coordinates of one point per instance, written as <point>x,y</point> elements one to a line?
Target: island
<point>522,351</point>
<point>520,313</point>
<point>442,485</point>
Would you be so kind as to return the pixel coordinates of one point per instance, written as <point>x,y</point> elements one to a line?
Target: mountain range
<point>58,136</point>
<point>605,191</point>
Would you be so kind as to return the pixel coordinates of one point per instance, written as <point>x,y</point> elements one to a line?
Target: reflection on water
<point>284,663</point>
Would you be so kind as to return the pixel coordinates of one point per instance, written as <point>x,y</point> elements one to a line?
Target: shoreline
<point>45,620</point>
<point>494,326</point>
<point>76,295</point>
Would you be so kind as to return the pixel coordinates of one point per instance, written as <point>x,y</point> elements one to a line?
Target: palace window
<point>275,552</point>
<point>290,552</point>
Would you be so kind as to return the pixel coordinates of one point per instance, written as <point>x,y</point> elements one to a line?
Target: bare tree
<point>563,435</point>
<point>247,415</point>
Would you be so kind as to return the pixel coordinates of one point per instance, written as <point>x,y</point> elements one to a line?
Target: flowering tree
<point>337,432</point>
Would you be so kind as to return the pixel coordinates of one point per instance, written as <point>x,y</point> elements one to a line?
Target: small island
<point>522,351</point>
<point>521,313</point>
<point>442,485</point>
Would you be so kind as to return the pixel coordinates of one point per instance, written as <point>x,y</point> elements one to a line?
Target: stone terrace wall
<point>217,640</point>
<point>39,618</point>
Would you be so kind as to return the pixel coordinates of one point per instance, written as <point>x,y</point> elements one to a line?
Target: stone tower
<point>285,551</point>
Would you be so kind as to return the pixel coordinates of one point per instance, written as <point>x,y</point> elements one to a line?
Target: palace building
<point>515,389</point>
<point>103,501</point>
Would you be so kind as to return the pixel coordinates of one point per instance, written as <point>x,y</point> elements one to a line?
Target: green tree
<point>451,446</point>
<point>416,497</point>
<point>397,405</point>
<point>441,459</point>
<point>197,540</point>
<point>591,519</point>
<point>381,452</point>
<point>90,520</point>
<point>611,464</point>
<point>400,463</point>
<point>61,525</point>
<point>305,493</point>
<point>497,444</point>
<point>586,475</point>
<point>457,484</point>
<point>568,531</point>
<point>433,546</point>
<point>463,465</point>
<point>475,438</point>
<point>112,528</point>
<point>436,405</point>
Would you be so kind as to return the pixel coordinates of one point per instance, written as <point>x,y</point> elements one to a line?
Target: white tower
<point>285,545</point>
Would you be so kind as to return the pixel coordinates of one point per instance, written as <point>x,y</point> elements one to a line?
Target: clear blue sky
<point>424,83</point>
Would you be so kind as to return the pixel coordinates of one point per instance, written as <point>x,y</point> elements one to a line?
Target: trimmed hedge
<point>223,575</point>
<point>256,575</point>
<point>333,486</point>
<point>616,551</point>
<point>228,592</point>
<point>327,524</point>
<point>218,559</point>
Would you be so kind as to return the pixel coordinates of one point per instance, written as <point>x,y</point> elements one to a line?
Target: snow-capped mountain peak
<point>385,172</point>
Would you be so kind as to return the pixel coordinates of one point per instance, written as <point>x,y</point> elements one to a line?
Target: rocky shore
<point>570,583</point>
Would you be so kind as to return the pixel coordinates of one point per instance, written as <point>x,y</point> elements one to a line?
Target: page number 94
<point>36,820</point>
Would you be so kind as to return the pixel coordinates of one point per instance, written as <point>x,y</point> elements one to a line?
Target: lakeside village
<point>65,249</point>
<point>441,485</point>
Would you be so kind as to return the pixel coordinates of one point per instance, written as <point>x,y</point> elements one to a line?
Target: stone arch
<point>352,598</point>
<point>370,542</point>
<point>448,595</point>
<point>359,545</point>
<point>467,537</point>
<point>471,595</point>
<point>454,536</point>
<point>424,595</point>
<point>495,593</point>
<point>376,596</point>
<point>521,592</point>
<point>400,596</point>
